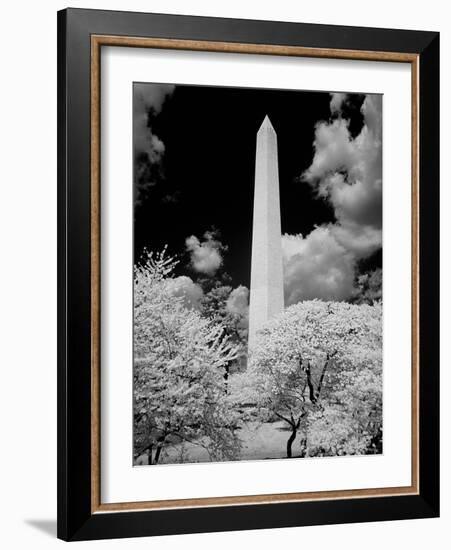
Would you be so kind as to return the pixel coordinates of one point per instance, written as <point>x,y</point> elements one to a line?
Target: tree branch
<point>312,393</point>
<point>284,418</point>
<point>323,373</point>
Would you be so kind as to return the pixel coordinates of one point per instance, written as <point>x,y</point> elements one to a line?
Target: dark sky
<point>205,177</point>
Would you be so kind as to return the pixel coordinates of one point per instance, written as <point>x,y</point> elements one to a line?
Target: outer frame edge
<point>62,494</point>
<point>93,527</point>
<point>166,522</point>
<point>429,188</point>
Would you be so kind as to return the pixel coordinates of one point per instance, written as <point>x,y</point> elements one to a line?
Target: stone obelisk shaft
<point>266,292</point>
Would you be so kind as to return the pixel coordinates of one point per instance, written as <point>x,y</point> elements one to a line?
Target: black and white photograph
<point>226,252</point>
<point>257,274</point>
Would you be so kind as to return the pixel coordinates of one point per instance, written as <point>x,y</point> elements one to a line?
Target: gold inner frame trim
<point>97,41</point>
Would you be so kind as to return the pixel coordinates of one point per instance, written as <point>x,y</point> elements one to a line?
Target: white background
<point>28,274</point>
<point>120,482</point>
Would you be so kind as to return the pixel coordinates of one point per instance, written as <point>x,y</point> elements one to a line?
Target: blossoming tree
<point>318,368</point>
<point>179,364</point>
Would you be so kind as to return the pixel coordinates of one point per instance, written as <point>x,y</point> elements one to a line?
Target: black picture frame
<point>76,519</point>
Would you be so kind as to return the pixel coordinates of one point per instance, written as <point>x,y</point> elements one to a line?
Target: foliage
<point>179,362</point>
<point>351,423</point>
<point>216,307</point>
<point>318,367</point>
<point>368,288</point>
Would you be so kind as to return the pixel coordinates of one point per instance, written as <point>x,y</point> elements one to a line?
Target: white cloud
<point>184,287</point>
<point>148,97</point>
<point>337,101</point>
<point>238,304</point>
<point>359,240</point>
<point>316,266</point>
<point>238,301</point>
<point>206,256</point>
<point>347,173</point>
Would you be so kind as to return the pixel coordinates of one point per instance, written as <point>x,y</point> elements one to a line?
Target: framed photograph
<point>248,274</point>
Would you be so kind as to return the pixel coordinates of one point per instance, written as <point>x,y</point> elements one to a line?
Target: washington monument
<point>266,293</point>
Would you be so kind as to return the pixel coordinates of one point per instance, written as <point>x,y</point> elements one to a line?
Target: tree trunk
<point>159,447</point>
<point>303,446</point>
<point>290,442</point>
<point>226,378</point>
<point>157,453</point>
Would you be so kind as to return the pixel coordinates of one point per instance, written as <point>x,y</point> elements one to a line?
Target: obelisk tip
<point>266,124</point>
